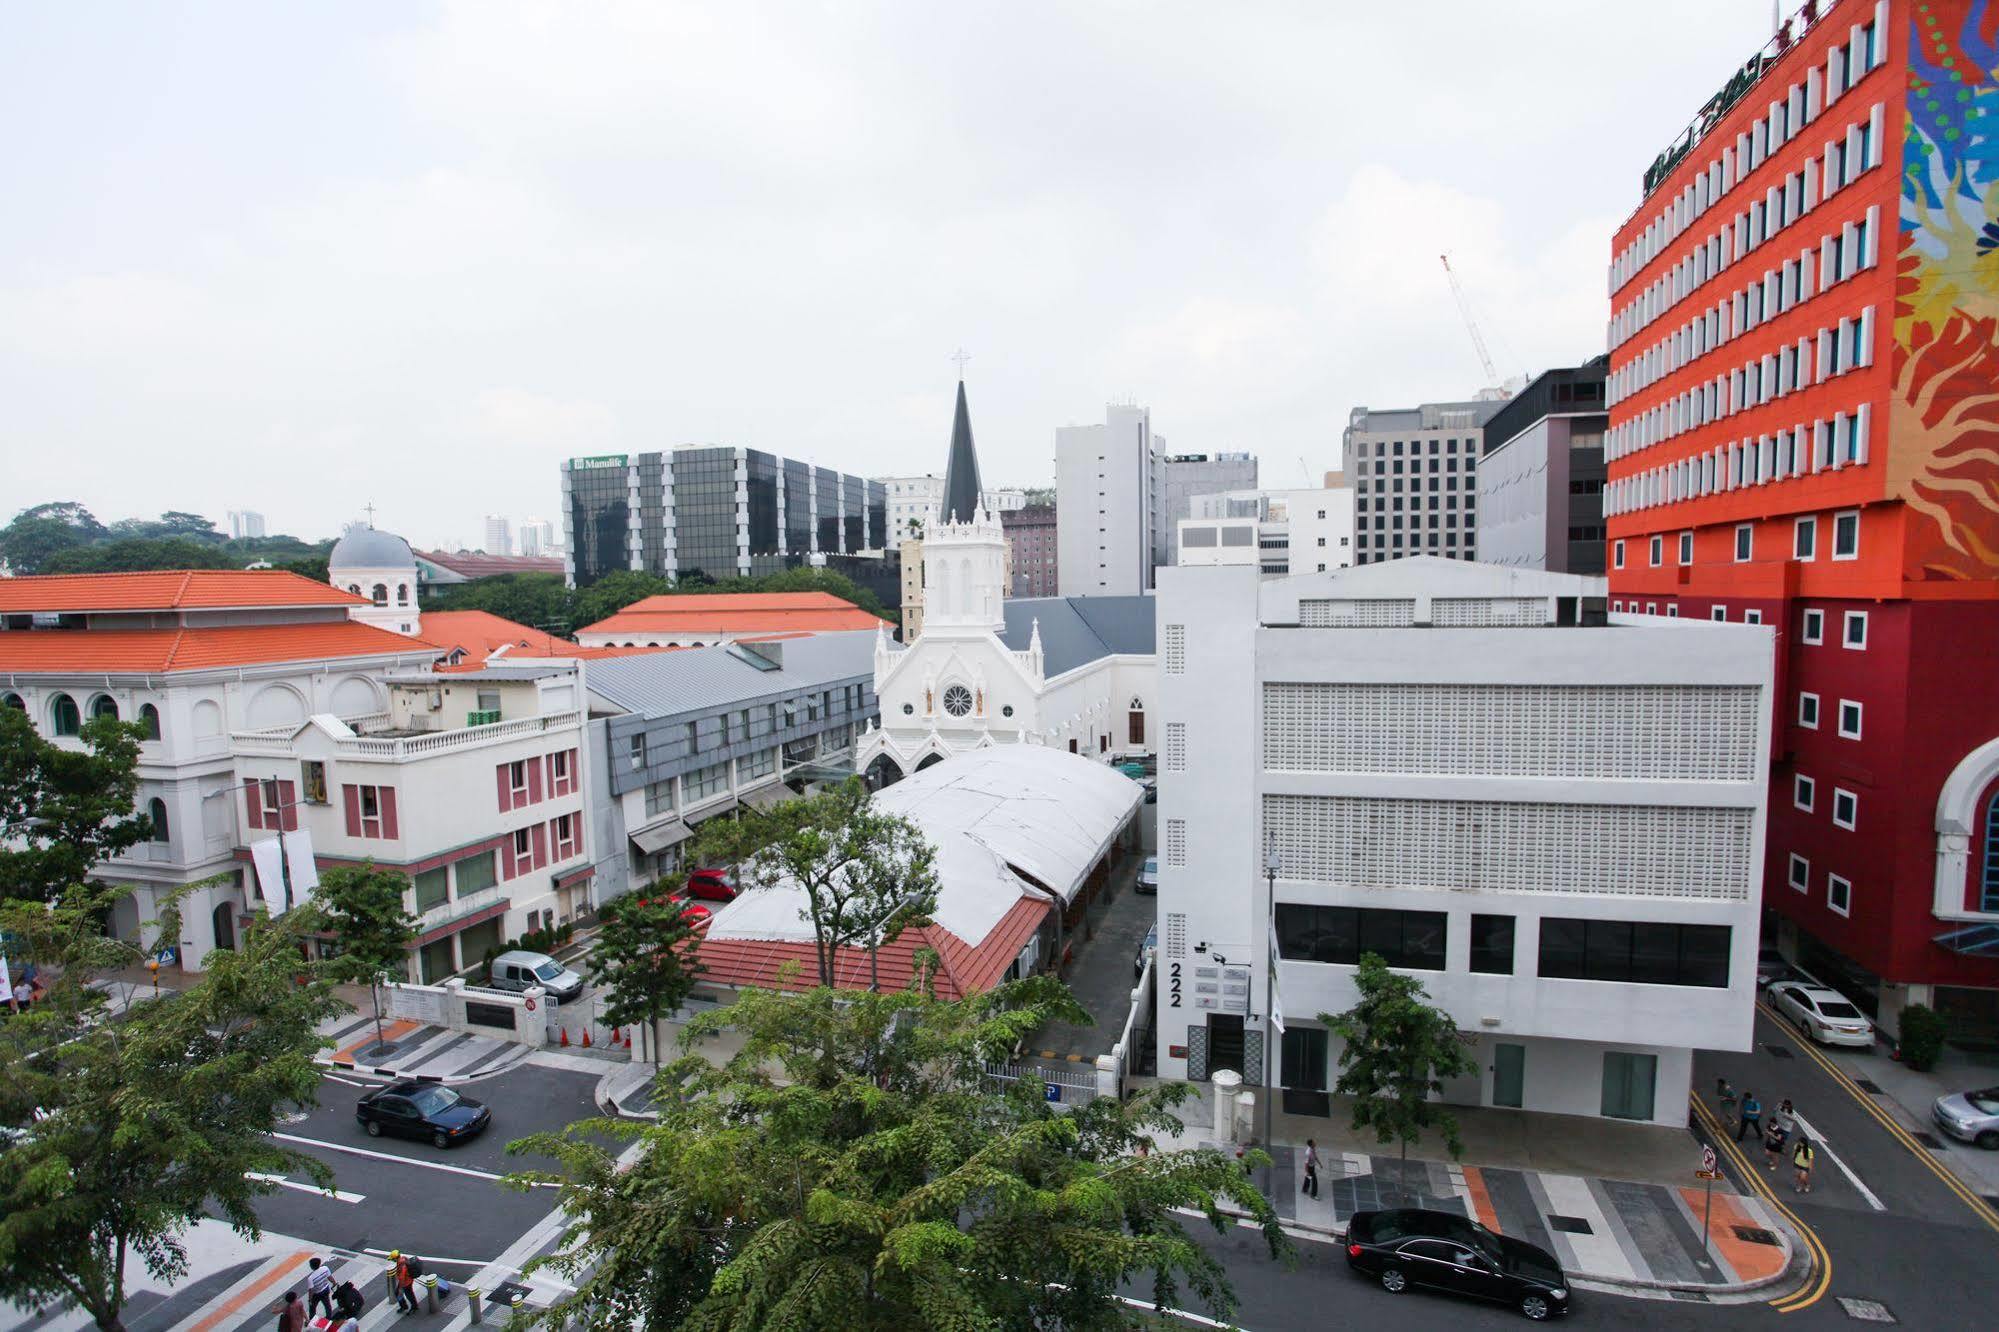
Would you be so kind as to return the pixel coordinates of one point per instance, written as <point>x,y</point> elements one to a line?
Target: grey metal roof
<point>1079,630</point>
<point>658,684</point>
<point>369,548</point>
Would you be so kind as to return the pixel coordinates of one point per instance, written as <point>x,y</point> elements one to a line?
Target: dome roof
<point>370,548</point>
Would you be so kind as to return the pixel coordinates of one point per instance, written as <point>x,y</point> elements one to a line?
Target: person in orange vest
<point>407,1270</point>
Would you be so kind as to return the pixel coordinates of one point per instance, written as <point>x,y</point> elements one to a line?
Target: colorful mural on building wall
<point>1944,423</point>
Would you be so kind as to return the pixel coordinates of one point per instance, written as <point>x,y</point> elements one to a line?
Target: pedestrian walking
<point>1725,1094</point>
<point>1787,1118</point>
<point>1803,1158</point>
<point>319,1289</point>
<point>24,995</point>
<point>405,1281</point>
<point>1311,1187</point>
<point>1773,1143</point>
<point>291,1318</point>
<point>1752,1116</point>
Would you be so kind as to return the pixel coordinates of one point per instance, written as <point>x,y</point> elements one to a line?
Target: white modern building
<point>1554,818</point>
<point>245,523</point>
<point>913,502</point>
<point>1182,478</point>
<point>1290,531</point>
<point>1107,505</point>
<point>499,535</point>
<point>538,537</point>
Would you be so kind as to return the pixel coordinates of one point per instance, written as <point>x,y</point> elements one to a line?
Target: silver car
<point>1971,1116</point>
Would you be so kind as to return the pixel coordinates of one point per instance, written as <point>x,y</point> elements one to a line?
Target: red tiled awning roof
<point>160,651</point>
<point>964,968</point>
<point>735,613</point>
<point>174,589</point>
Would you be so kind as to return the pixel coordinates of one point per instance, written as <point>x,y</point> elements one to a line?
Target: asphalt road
<point>447,1204</point>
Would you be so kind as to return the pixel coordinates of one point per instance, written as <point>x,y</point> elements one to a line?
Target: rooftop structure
<point>701,619</point>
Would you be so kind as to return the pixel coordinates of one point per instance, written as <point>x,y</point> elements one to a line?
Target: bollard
<point>429,1282</point>
<point>514,1319</point>
<point>474,1303</point>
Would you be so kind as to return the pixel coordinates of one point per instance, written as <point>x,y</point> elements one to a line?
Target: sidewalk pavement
<point>412,1049</point>
<point>1623,1209</point>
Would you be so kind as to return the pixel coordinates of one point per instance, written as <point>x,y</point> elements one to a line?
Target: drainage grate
<point>1574,1225</point>
<point>503,1295</point>
<point>1868,1085</point>
<point>1928,1139</point>
<point>1755,1235</point>
<point>1780,1052</point>
<point>1866,1311</point>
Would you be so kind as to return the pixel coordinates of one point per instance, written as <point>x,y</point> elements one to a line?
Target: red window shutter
<point>507,870</point>
<point>253,802</point>
<point>288,806</point>
<point>575,771</point>
<point>506,790</point>
<point>540,845</point>
<point>350,796</point>
<point>534,780</point>
<point>388,799</point>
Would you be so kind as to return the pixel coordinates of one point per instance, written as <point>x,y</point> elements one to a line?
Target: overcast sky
<point>297,257</point>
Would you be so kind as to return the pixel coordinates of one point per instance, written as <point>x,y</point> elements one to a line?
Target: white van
<point>520,971</point>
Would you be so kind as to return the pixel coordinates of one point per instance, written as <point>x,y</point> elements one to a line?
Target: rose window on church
<point>957,700</point>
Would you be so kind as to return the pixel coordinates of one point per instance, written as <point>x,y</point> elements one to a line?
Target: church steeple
<point>961,471</point>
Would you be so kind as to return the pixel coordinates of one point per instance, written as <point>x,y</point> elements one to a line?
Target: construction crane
<point>1471,325</point>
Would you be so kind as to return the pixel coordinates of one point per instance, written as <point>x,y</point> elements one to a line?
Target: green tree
<point>538,600</point>
<point>611,594</point>
<point>310,566</point>
<point>64,811</point>
<point>866,874</point>
<point>851,1167</point>
<point>70,514</point>
<point>26,544</point>
<point>644,959</point>
<point>362,907</point>
<point>133,1129</point>
<point>131,554</point>
<point>1398,1051</point>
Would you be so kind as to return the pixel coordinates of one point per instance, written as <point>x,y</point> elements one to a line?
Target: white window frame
<point>517,788</point>
<point>1837,518</point>
<point>1805,697</point>
<point>1745,542</point>
<point>1805,539</point>
<point>1686,548</point>
<point>1617,554</point>
<point>1840,793</point>
<point>1839,895</point>
<point>1813,616</point>
<point>1799,876</point>
<point>1859,718</point>
<point>1656,550</point>
<point>1850,619</point>
<point>1752,617</point>
<point>1719,614</point>
<point>1672,610</point>
<point>1804,792</point>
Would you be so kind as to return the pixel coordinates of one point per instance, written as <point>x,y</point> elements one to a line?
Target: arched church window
<point>1136,715</point>
<point>380,594</point>
<point>1988,884</point>
<point>402,594</point>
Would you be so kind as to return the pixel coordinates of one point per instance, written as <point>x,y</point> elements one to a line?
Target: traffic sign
<point>1707,1170</point>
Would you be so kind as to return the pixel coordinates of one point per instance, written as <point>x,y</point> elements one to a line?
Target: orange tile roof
<point>964,968</point>
<point>169,589</point>
<point>482,633</point>
<point>160,651</point>
<point>735,612</point>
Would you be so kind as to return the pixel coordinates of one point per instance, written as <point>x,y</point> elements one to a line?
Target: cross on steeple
<point>961,357</point>
<point>369,509</point>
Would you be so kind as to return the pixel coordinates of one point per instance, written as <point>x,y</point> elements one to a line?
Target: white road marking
<point>279,1180</point>
<point>400,1160</point>
<point>1183,1314</point>
<point>346,1082</point>
<point>1818,1141</point>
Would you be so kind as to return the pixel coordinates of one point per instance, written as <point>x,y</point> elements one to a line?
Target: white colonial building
<point>379,567</point>
<point>1072,672</point>
<point>1553,817</point>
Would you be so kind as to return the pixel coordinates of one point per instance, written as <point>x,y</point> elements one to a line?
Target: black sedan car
<point>422,1110</point>
<point>1444,1251</point>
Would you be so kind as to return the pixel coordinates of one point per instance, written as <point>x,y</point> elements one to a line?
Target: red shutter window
<point>287,806</point>
<point>389,828</point>
<point>506,789</point>
<point>253,802</point>
<point>350,799</point>
<point>507,857</point>
<point>534,780</point>
<point>540,845</point>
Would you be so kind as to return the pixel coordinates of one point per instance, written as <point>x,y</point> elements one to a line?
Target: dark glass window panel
<point>1704,955</point>
<point>1607,953</point>
<point>1423,935</point>
<point>1381,932</point>
<point>1492,944</point>
<point>1561,947</point>
<point>1655,948</point>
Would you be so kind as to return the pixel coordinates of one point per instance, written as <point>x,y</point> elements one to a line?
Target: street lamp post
<point>1271,864</point>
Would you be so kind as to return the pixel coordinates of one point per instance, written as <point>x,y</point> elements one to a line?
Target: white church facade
<point>1075,673</point>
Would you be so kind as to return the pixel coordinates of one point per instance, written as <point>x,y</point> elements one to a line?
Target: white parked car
<point>1827,1016</point>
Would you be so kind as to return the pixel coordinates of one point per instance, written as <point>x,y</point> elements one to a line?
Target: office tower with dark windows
<point>1540,479</point>
<point>1415,479</point>
<point>714,512</point>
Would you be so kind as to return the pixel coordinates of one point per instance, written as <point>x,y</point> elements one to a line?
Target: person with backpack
<point>1773,1143</point>
<point>348,1301</point>
<point>1803,1158</point>
<point>405,1281</point>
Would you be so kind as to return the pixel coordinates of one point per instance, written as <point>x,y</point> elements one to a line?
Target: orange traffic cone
<point>617,1036</point>
<point>565,1035</point>
<point>586,1038</point>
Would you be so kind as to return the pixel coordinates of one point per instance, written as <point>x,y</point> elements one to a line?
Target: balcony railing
<point>401,748</point>
<point>444,912</point>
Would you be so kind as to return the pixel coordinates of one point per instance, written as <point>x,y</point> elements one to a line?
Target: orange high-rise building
<point>1804,433</point>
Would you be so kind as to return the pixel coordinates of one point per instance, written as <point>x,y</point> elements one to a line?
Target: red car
<point>710,885</point>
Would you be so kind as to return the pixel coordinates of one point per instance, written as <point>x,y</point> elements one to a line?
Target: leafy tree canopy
<point>64,811</point>
<point>130,554</point>
<point>645,960</point>
<point>133,1128</point>
<point>538,600</point>
<point>363,908</point>
<point>852,1167</point>
<point>1398,1051</point>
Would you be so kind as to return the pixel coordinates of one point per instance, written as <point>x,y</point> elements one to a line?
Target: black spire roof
<point>961,472</point>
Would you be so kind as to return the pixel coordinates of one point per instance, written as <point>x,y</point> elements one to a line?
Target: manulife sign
<point>603,460</point>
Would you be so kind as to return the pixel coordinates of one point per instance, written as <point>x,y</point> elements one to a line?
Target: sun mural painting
<point>1945,412</point>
